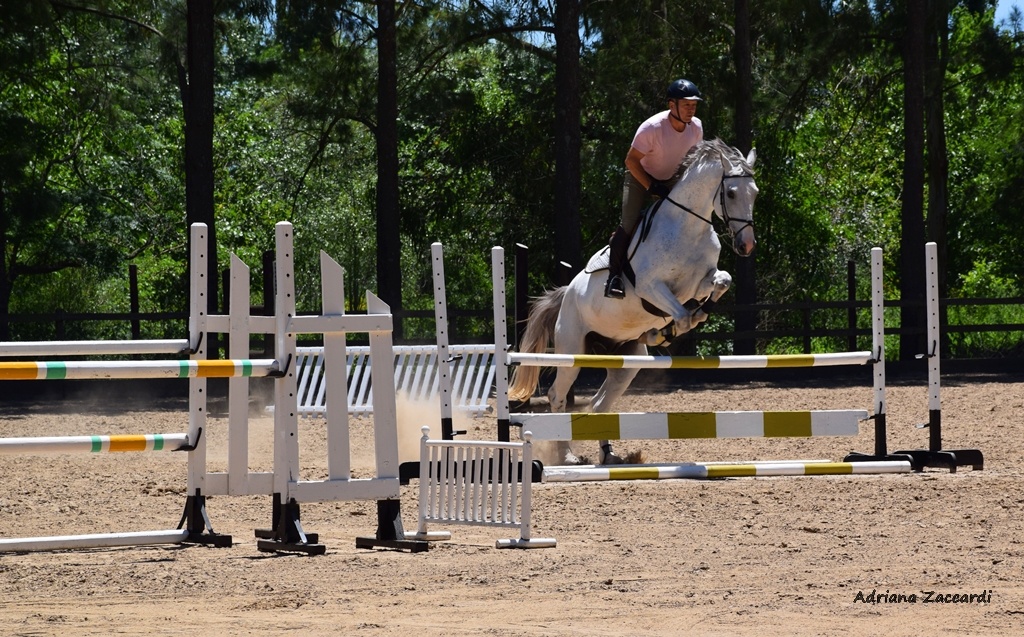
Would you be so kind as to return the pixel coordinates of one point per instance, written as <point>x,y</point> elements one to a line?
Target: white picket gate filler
<point>688,425</point>
<point>477,482</point>
<point>284,484</point>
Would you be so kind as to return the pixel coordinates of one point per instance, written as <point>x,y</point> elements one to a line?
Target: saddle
<point>601,260</point>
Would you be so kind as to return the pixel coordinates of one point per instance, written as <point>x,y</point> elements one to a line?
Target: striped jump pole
<point>691,425</point>
<point>704,471</point>
<point>689,362</point>
<point>94,444</point>
<point>90,370</point>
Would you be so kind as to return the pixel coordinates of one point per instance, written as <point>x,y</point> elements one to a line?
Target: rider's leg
<point>633,197</point>
<point>618,244</point>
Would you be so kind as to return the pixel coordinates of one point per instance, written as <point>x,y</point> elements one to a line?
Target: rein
<point>725,210</point>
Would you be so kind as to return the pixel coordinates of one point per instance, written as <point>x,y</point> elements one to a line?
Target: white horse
<point>674,255</point>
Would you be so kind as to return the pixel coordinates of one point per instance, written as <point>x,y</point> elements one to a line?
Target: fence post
<point>522,292</point>
<point>851,311</point>
<point>133,300</point>
<point>268,299</point>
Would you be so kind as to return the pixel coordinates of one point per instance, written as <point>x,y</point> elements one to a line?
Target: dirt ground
<point>739,556</point>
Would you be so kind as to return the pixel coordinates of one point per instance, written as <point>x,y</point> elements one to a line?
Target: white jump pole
<point>93,348</point>
<point>92,541</point>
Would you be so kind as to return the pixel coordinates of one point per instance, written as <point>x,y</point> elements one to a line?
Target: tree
<point>568,238</point>
<point>912,216</point>
<point>197,100</point>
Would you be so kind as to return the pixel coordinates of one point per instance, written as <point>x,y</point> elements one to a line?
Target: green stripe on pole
<point>56,371</point>
<point>97,444</point>
<point>183,369</point>
<point>158,442</point>
<point>247,368</point>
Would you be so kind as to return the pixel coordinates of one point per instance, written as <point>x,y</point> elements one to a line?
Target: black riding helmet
<point>683,90</point>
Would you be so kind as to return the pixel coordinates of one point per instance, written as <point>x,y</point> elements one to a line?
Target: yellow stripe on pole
<point>595,360</point>
<point>127,443</point>
<point>683,425</point>
<point>215,369</point>
<point>828,468</point>
<point>787,424</point>
<point>633,473</point>
<point>595,426</point>
<point>732,471</point>
<point>695,362</point>
<point>791,360</point>
<point>19,371</point>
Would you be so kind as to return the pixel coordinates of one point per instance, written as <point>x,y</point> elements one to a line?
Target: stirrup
<point>613,287</point>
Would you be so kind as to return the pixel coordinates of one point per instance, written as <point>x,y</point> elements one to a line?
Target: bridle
<point>725,210</point>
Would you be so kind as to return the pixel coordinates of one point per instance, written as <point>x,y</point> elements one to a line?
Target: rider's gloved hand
<point>658,188</point>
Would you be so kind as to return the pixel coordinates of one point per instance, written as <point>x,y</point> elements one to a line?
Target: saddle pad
<point>599,261</point>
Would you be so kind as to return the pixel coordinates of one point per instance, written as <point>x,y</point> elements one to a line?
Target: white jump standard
<point>692,425</point>
<point>285,484</point>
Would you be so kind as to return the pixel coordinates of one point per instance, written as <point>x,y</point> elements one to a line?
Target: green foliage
<point>92,174</point>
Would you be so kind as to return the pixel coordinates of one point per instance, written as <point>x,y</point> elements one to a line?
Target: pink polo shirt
<point>662,146</point>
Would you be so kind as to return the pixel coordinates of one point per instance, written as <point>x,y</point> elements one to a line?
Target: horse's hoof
<point>611,458</point>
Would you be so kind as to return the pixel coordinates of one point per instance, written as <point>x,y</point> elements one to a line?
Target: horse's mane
<point>716,149</point>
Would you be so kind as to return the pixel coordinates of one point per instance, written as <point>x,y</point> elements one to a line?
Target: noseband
<point>725,211</point>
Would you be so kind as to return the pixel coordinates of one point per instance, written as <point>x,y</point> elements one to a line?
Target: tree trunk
<point>912,222</point>
<point>938,162</point>
<point>6,278</point>
<point>199,135</point>
<point>746,281</point>
<point>389,246</point>
<point>568,234</point>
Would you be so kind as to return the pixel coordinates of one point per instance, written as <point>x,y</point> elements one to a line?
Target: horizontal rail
<point>696,470</point>
<point>82,370</point>
<point>689,362</point>
<point>685,425</point>
<point>97,540</point>
<point>93,444</point>
<point>94,348</point>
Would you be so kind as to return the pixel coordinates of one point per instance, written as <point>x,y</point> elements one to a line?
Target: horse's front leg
<point>719,281</point>
<point>659,294</point>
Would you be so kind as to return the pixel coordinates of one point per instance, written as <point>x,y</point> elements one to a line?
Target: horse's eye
<point>731,193</point>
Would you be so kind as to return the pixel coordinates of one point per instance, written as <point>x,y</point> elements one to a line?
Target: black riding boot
<point>618,244</point>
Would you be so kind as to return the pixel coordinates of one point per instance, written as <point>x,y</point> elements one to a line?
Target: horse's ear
<point>752,157</point>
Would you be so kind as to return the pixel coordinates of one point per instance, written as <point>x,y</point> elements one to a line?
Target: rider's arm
<point>633,166</point>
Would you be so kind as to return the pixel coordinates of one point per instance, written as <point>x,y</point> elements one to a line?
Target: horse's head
<point>735,201</point>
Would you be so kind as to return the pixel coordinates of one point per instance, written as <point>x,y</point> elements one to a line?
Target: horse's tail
<point>540,326</point>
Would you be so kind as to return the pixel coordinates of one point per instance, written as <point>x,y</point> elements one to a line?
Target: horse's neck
<point>695,196</point>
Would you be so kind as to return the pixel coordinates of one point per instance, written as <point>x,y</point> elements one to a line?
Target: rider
<point>653,167</point>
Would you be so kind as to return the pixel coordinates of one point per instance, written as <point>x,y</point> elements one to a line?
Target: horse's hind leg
<point>558,397</point>
<point>615,384</point>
